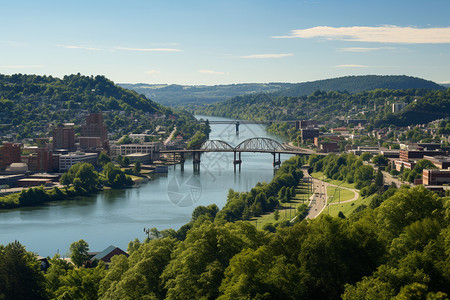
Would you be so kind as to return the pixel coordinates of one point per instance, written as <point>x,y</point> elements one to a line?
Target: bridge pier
<point>196,161</point>
<point>237,161</point>
<point>276,162</point>
<point>237,126</point>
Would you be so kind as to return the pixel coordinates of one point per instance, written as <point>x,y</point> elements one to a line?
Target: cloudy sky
<point>225,41</point>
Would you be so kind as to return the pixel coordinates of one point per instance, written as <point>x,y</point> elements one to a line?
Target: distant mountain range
<point>186,94</point>
<point>197,94</point>
<point>357,84</point>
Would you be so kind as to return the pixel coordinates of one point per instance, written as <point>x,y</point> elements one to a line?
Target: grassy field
<point>339,194</point>
<point>321,176</point>
<point>347,208</point>
<point>287,210</point>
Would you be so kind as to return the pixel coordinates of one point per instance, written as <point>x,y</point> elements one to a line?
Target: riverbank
<point>118,216</point>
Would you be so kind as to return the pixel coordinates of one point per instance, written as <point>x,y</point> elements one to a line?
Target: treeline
<point>397,249</point>
<point>357,84</point>
<point>349,168</point>
<point>28,102</point>
<point>423,106</point>
<point>80,179</point>
<point>264,196</point>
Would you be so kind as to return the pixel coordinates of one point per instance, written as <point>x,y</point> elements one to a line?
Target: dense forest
<point>174,94</point>
<point>30,102</point>
<point>395,248</point>
<point>357,84</point>
<point>423,106</point>
<point>202,94</point>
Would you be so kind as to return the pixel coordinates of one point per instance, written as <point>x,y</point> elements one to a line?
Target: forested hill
<point>356,84</point>
<point>185,94</point>
<point>202,94</point>
<point>422,106</point>
<point>30,102</point>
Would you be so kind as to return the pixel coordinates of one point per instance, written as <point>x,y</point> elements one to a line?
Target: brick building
<point>9,153</point>
<point>95,127</point>
<point>406,155</point>
<point>436,177</point>
<point>64,137</point>
<point>309,134</point>
<point>42,160</point>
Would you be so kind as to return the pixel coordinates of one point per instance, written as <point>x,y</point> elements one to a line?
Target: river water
<point>116,217</point>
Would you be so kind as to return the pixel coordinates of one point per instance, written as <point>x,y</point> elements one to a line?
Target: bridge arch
<point>214,145</point>
<point>260,144</point>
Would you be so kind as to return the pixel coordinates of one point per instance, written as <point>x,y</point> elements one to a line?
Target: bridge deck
<point>241,150</point>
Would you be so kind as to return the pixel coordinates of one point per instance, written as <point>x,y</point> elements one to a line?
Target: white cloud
<point>360,49</point>
<point>268,55</point>
<point>149,49</point>
<point>380,34</point>
<point>210,72</point>
<point>152,72</point>
<point>352,66</point>
<point>81,47</point>
<point>22,67</point>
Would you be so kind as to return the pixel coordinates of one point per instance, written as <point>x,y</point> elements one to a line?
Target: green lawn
<point>286,214</point>
<point>321,176</point>
<point>287,210</point>
<point>339,194</point>
<point>347,208</point>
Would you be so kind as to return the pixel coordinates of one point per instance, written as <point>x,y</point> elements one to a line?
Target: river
<point>116,217</point>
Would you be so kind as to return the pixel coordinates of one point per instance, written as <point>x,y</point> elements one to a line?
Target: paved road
<point>319,198</point>
<point>355,197</point>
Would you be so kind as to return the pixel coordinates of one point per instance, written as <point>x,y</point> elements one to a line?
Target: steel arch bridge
<point>257,144</point>
<point>214,145</point>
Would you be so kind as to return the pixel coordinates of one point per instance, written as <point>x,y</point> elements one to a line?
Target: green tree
<point>379,182</point>
<point>79,252</point>
<point>137,168</point>
<point>87,176</point>
<point>380,160</point>
<point>276,214</point>
<point>103,159</point>
<point>366,156</point>
<point>20,274</point>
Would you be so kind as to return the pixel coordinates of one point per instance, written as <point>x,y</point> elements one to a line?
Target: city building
<point>441,162</point>
<point>436,177</point>
<point>68,160</point>
<point>406,155</point>
<point>143,158</point>
<point>90,143</point>
<point>309,134</point>
<point>42,160</point>
<point>95,127</point>
<point>306,123</point>
<point>9,153</point>
<point>396,107</point>
<point>151,148</point>
<point>341,130</point>
<point>64,137</point>
<point>329,147</point>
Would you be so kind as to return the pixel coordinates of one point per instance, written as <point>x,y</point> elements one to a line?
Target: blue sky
<point>222,42</point>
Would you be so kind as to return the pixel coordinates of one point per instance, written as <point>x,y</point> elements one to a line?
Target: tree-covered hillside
<point>356,84</point>
<point>29,103</point>
<point>201,94</point>
<point>183,94</point>
<point>423,106</point>
<point>397,247</point>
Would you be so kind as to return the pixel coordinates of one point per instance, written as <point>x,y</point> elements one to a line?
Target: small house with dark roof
<point>109,252</point>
